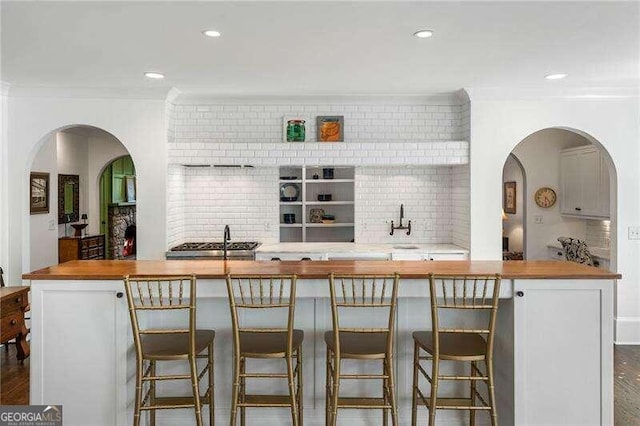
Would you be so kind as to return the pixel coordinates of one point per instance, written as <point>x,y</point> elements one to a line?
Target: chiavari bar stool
<point>471,293</point>
<point>369,295</point>
<point>270,293</point>
<point>149,297</point>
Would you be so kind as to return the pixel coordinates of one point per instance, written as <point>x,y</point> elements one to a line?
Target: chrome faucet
<point>226,236</point>
<point>401,226</point>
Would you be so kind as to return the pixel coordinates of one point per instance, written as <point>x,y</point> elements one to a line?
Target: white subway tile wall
<point>202,201</point>
<point>245,199</point>
<point>460,208</point>
<point>598,233</point>
<point>425,193</point>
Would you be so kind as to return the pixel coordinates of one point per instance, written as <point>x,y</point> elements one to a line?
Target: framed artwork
<point>509,197</point>
<point>130,188</point>
<point>68,198</point>
<point>294,128</point>
<point>330,128</point>
<point>39,193</point>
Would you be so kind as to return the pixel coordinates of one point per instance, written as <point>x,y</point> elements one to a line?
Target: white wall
<point>44,226</point>
<point>501,119</point>
<point>4,176</point>
<point>72,158</point>
<point>514,226</point>
<point>137,123</point>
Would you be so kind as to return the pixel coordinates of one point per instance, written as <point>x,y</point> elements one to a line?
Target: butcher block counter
<point>553,350</point>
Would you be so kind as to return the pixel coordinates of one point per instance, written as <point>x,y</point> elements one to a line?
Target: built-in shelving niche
<point>311,181</point>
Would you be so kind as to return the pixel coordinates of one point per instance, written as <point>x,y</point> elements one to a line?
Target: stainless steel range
<point>241,250</point>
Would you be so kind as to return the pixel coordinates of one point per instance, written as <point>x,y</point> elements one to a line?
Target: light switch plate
<point>52,225</point>
<point>538,220</point>
<point>634,232</point>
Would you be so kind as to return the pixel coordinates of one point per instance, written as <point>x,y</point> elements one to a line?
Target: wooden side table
<point>14,302</point>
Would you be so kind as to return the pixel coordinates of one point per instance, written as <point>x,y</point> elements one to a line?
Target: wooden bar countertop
<point>212,269</point>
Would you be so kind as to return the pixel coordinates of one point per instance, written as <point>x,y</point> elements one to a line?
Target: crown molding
<point>540,93</point>
<point>89,93</point>
<point>196,97</point>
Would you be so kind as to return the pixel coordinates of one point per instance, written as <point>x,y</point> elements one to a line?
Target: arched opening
<point>70,160</point>
<point>118,208</point>
<point>569,189</point>
<point>514,183</point>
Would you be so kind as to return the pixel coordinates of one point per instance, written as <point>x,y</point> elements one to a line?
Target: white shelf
<point>342,189</point>
<point>328,225</point>
<point>330,203</point>
<point>330,181</point>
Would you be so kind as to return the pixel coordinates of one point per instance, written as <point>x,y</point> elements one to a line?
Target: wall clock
<point>545,197</point>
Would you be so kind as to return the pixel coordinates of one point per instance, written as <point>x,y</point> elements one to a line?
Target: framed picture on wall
<point>509,197</point>
<point>39,193</point>
<point>330,128</point>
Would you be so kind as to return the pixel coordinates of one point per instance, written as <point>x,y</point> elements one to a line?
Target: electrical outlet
<point>634,232</point>
<point>428,225</point>
<point>538,220</point>
<point>267,226</point>
<point>52,225</point>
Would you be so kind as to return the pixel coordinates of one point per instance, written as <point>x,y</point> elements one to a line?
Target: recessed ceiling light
<point>555,76</point>
<point>423,33</point>
<point>212,33</point>
<point>155,75</point>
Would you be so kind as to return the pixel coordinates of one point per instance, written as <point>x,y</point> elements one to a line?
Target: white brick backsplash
<point>420,154</point>
<point>598,233</point>
<point>460,207</point>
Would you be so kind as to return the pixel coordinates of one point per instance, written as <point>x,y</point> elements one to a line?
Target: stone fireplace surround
<point>118,219</point>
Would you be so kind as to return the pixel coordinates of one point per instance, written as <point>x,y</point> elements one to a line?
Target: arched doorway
<point>580,172</point>
<point>72,157</point>
<point>118,208</point>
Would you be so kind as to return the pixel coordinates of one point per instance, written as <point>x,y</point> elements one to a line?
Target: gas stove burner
<point>240,245</point>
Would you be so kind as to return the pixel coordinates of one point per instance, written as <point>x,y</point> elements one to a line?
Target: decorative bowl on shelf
<point>79,227</point>
<point>328,219</point>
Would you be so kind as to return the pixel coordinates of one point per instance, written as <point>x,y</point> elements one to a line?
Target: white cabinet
<point>584,183</point>
<point>290,256</point>
<point>80,335</point>
<point>562,353</point>
<point>327,189</point>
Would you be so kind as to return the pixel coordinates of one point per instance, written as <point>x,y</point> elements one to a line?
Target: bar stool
<point>368,295</point>
<point>148,297</point>
<point>271,293</point>
<point>471,294</point>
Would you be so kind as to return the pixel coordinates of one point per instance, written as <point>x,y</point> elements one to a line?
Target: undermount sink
<point>406,247</point>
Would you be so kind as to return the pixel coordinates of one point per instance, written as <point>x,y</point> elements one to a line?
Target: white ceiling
<point>320,47</point>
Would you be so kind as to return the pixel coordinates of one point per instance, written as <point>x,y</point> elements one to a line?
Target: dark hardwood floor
<point>14,383</point>
<point>14,378</point>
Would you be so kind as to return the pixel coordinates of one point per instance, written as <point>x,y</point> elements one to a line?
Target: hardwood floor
<point>627,385</point>
<point>14,378</point>
<point>14,383</point>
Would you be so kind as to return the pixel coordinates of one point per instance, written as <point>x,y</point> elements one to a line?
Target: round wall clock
<point>545,197</point>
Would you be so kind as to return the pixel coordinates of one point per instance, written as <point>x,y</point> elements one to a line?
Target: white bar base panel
<point>553,359</point>
<point>627,331</point>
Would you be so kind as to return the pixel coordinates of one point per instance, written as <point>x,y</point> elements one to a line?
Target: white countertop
<point>602,253</point>
<point>358,248</point>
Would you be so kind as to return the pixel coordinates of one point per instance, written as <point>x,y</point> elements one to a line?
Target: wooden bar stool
<point>470,294</point>
<point>149,297</point>
<point>271,293</point>
<point>369,295</point>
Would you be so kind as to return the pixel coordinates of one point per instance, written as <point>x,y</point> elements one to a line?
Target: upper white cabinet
<point>584,183</point>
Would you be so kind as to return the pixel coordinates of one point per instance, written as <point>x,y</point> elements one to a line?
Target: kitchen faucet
<point>226,236</point>
<point>401,226</point>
